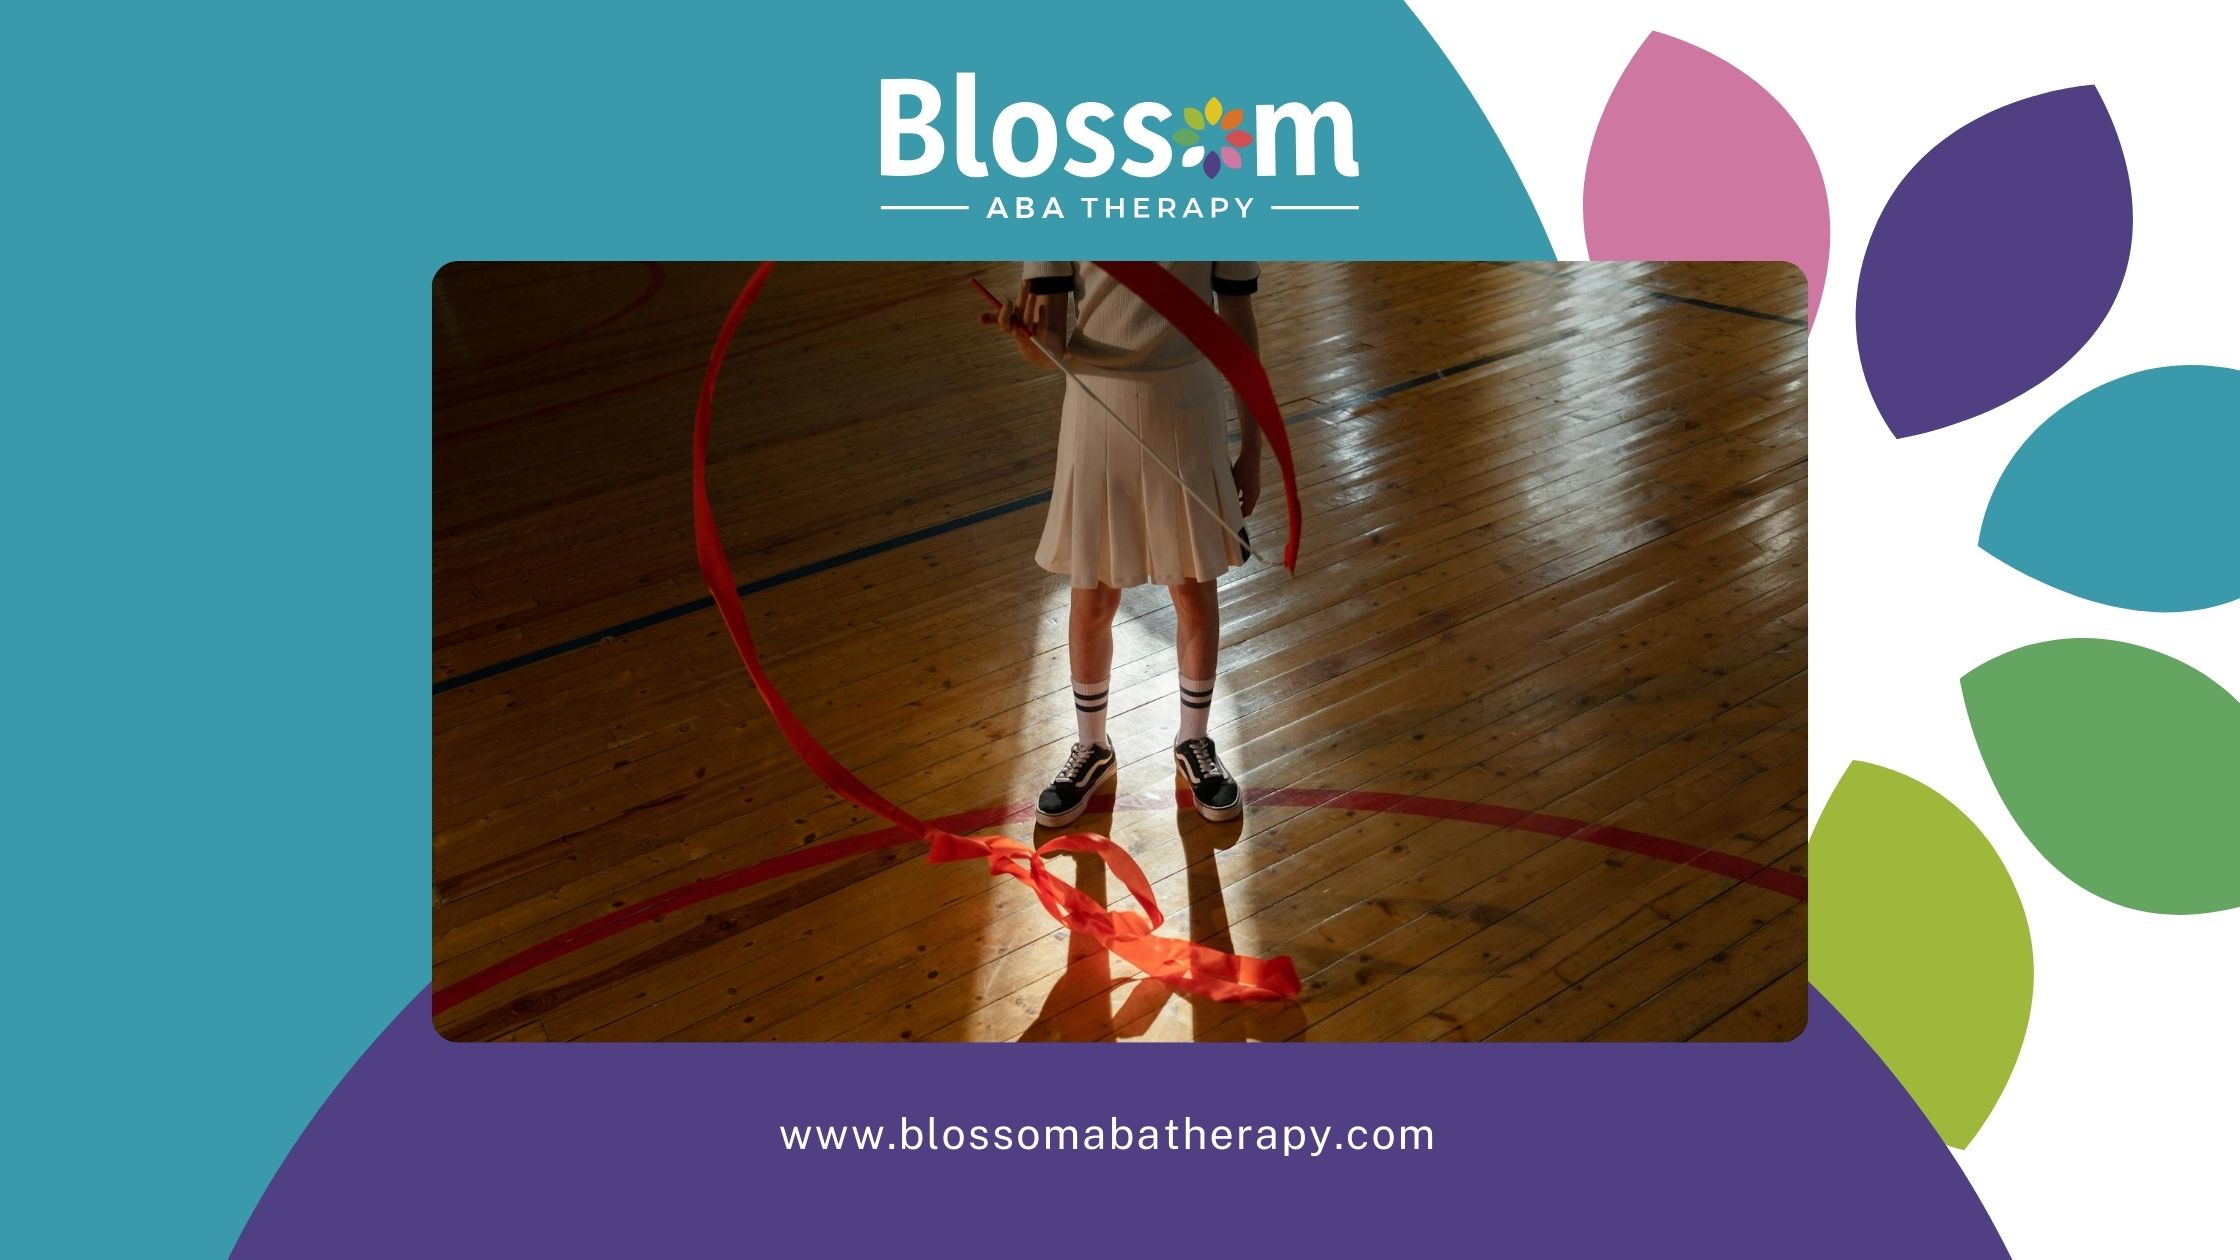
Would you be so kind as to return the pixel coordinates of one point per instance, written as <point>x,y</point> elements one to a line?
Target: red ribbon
<point>1183,965</point>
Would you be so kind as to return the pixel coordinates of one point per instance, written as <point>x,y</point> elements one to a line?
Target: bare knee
<point>1193,601</point>
<point>1095,607</point>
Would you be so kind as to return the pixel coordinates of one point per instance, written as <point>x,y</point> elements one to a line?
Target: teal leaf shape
<point>1918,937</point>
<point>2121,765</point>
<point>2124,496</point>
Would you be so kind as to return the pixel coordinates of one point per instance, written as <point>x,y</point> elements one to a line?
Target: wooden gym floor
<point>1525,736</point>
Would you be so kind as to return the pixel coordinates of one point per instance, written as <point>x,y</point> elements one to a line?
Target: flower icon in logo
<point>1210,153</point>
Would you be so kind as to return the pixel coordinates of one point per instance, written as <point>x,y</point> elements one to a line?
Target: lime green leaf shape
<point>2121,764</point>
<point>1918,937</point>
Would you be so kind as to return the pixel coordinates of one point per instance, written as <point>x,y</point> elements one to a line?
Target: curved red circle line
<point>553,948</point>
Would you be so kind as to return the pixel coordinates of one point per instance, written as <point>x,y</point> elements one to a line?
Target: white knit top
<point>1112,331</point>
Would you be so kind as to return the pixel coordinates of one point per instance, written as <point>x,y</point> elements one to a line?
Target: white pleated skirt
<point>1118,519</point>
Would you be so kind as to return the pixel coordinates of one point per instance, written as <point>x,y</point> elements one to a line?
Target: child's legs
<point>1197,628</point>
<point>1089,632</point>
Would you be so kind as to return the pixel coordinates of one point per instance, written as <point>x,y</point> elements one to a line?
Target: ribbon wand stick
<point>1242,543</point>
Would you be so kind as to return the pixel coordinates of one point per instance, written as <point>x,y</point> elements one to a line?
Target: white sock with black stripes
<point>1197,706</point>
<point>1089,701</point>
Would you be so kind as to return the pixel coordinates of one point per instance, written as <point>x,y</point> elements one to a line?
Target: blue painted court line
<point>1790,320</point>
<point>885,545</point>
<point>745,588</point>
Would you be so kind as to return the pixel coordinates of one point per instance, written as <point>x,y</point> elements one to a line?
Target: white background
<point>2115,1136</point>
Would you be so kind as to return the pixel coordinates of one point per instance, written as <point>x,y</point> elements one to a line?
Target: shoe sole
<point>1211,813</point>
<point>1059,820</point>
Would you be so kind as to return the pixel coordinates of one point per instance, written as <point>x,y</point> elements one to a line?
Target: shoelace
<point>1078,761</point>
<point>1200,752</point>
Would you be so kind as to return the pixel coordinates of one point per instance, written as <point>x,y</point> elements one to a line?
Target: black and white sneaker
<point>1218,796</point>
<point>1068,794</point>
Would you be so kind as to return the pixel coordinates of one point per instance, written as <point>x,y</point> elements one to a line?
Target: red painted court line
<point>1741,870</point>
<point>555,408</point>
<point>656,276</point>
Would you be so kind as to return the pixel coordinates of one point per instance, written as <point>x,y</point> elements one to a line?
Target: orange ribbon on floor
<point>1184,965</point>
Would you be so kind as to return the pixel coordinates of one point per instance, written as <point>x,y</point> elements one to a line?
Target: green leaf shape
<point>1183,135</point>
<point>2121,765</point>
<point>1918,937</point>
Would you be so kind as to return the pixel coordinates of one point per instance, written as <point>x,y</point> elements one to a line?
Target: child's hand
<point>1247,473</point>
<point>1013,319</point>
<point>1024,324</point>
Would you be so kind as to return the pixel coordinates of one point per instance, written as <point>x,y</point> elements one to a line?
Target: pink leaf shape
<point>1693,160</point>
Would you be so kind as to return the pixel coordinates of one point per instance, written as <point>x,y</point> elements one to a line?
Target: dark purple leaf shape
<point>1994,261</point>
<point>1212,165</point>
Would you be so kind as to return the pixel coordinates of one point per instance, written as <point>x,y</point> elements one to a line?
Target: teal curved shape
<point>241,763</point>
<point>2125,496</point>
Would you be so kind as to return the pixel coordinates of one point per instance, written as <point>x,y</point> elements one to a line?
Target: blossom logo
<point>1214,150</point>
<point>922,130</point>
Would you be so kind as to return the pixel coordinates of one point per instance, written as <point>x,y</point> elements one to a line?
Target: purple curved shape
<point>1693,160</point>
<point>1994,261</point>
<point>1803,1148</point>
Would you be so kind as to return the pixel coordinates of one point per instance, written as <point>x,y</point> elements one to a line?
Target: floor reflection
<point>1087,1004</point>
